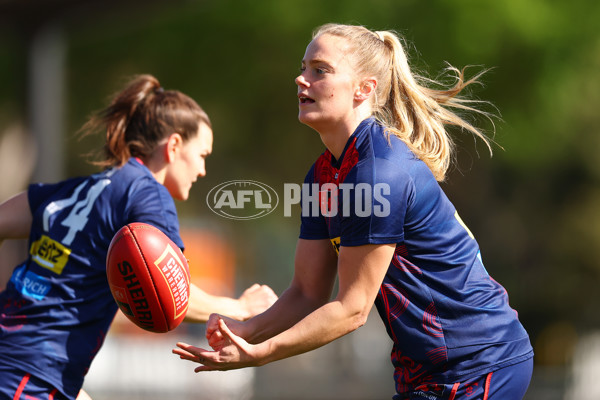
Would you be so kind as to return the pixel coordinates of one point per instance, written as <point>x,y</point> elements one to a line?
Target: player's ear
<point>174,143</point>
<point>365,89</point>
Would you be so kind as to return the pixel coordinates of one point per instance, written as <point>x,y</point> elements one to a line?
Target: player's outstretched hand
<point>256,299</point>
<point>215,338</point>
<point>235,352</point>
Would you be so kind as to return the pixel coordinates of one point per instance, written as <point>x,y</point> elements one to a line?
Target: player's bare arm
<point>315,268</point>
<point>360,269</point>
<point>254,300</point>
<point>314,277</point>
<point>15,217</point>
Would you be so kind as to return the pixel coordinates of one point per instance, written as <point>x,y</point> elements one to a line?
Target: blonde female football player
<point>388,232</point>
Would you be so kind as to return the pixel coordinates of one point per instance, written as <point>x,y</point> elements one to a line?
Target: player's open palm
<point>233,353</point>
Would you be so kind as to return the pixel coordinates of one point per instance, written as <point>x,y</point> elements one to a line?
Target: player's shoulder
<point>385,158</point>
<point>130,177</point>
<point>39,193</point>
<point>376,141</point>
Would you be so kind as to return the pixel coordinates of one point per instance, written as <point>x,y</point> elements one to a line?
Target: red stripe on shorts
<point>487,386</point>
<point>454,390</point>
<point>21,387</point>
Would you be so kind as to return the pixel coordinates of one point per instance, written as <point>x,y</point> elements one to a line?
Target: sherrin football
<point>149,277</point>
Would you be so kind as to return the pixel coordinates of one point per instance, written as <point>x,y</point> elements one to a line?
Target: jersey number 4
<point>79,214</point>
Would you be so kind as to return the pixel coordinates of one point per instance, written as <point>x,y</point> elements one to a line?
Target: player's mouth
<point>304,99</point>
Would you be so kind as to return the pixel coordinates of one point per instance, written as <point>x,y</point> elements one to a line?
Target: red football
<point>148,277</point>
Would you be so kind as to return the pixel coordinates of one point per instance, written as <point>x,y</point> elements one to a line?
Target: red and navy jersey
<point>447,317</point>
<point>57,307</point>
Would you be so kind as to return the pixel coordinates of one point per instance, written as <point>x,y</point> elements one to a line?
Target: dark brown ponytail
<point>140,116</point>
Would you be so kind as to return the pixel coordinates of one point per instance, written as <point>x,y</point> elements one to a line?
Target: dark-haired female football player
<point>57,306</point>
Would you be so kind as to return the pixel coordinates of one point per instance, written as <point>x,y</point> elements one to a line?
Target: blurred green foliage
<point>534,206</point>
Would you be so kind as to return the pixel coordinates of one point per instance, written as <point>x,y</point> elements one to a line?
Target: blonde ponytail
<point>404,103</point>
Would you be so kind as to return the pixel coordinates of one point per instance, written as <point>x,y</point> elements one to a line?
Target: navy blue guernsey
<point>447,318</point>
<point>57,307</point>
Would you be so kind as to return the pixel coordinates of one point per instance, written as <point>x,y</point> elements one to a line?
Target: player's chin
<point>303,117</point>
<point>308,119</point>
<point>183,194</point>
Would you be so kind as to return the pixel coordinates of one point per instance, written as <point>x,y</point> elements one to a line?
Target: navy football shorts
<point>20,385</point>
<point>507,383</point>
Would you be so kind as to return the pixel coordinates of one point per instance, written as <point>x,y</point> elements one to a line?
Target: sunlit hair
<point>405,103</point>
<point>140,117</point>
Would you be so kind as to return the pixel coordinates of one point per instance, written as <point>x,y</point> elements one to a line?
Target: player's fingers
<point>206,368</point>
<point>270,292</point>
<point>186,356</point>
<point>230,335</point>
<point>252,288</point>
<point>216,343</point>
<point>212,325</point>
<point>185,346</point>
<point>266,292</point>
<point>216,334</point>
<point>188,350</point>
<point>195,354</point>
